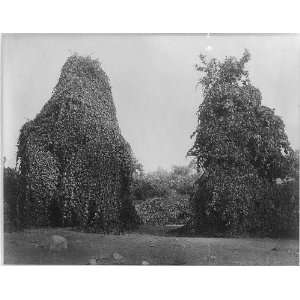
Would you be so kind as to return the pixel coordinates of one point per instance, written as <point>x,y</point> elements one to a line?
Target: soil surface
<point>149,245</point>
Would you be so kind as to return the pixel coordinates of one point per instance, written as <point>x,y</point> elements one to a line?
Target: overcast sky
<point>153,83</point>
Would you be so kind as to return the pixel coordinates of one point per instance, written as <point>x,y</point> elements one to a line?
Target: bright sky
<point>153,83</point>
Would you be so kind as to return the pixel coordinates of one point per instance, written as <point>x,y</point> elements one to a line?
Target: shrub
<point>12,214</point>
<point>173,209</point>
<point>161,183</point>
<point>182,179</point>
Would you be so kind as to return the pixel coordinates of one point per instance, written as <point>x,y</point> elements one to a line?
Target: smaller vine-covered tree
<point>243,148</point>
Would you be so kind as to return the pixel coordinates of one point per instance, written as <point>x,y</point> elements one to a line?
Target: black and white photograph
<point>151,149</point>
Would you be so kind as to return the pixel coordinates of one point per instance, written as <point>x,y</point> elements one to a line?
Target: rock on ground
<point>117,256</point>
<point>92,261</point>
<point>58,243</point>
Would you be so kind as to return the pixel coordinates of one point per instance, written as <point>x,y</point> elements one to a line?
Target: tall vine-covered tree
<point>75,165</point>
<point>241,145</point>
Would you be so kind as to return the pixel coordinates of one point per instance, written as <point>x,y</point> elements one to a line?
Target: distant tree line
<point>160,183</point>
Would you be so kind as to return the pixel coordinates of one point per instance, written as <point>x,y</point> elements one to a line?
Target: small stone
<point>117,256</point>
<point>145,263</point>
<point>58,243</point>
<point>211,258</point>
<point>92,261</point>
<point>105,258</point>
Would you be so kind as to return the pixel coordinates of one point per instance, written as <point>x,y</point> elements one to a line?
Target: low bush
<point>173,209</point>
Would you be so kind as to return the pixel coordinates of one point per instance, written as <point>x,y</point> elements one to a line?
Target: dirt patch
<point>148,243</point>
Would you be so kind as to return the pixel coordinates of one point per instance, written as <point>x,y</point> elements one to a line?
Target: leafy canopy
<point>234,129</point>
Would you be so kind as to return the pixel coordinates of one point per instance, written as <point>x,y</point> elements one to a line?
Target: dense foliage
<point>243,148</point>
<point>162,183</point>
<point>11,205</point>
<point>172,209</point>
<point>75,165</point>
<point>162,197</point>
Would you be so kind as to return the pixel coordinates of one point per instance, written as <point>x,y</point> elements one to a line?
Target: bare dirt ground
<point>149,244</point>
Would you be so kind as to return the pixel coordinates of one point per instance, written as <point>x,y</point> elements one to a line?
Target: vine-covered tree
<point>243,148</point>
<point>75,165</point>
